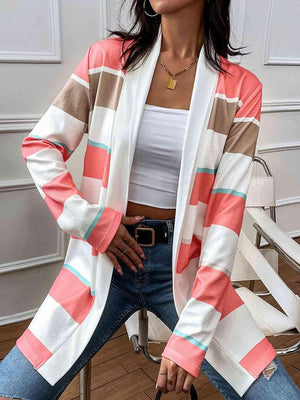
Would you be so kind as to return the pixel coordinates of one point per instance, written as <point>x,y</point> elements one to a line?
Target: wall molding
<point>18,317</point>
<point>268,59</point>
<point>57,256</point>
<point>104,18</point>
<point>18,123</point>
<point>16,184</point>
<point>51,56</point>
<point>272,106</point>
<point>274,148</point>
<point>238,17</point>
<point>287,201</point>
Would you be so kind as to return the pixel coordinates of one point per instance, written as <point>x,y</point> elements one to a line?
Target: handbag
<point>193,393</point>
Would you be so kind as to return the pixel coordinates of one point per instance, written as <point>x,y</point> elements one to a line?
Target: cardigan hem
<point>182,361</point>
<point>103,245</point>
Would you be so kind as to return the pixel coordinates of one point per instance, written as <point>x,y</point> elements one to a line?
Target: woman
<point>142,258</point>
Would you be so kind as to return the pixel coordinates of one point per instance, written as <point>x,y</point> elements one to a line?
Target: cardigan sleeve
<point>210,298</point>
<point>45,150</point>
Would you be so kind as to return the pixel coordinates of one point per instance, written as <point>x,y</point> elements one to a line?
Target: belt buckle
<point>145,229</point>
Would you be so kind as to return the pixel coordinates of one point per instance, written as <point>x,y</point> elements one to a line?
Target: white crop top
<point>157,157</point>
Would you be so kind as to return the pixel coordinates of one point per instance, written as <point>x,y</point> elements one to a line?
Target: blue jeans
<point>151,289</point>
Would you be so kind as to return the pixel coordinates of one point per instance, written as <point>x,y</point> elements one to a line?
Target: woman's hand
<point>181,379</point>
<point>123,241</point>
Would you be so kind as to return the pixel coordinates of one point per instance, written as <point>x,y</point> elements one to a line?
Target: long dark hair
<point>216,33</point>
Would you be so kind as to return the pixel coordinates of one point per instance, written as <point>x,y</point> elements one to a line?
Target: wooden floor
<point>120,374</point>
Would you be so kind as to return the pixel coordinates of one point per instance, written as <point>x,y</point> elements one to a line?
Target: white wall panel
<point>282,46</point>
<point>28,235</point>
<point>33,71</point>
<point>37,37</point>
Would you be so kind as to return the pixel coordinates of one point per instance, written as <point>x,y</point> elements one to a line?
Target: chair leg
<point>85,376</point>
<point>288,350</point>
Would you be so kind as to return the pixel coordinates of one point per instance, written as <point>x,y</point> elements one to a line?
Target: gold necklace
<point>171,82</point>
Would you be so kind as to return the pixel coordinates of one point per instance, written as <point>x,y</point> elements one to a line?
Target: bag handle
<point>193,393</point>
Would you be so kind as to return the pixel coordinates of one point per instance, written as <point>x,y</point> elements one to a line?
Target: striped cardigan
<point>106,103</point>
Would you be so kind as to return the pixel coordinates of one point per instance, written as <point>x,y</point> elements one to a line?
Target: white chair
<point>252,263</point>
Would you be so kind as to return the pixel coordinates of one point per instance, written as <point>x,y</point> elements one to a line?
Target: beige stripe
<point>74,100</point>
<point>105,89</point>
<point>222,115</point>
<point>239,141</point>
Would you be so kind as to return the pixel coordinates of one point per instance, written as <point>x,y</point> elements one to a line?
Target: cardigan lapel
<point>128,116</point>
<point>129,112</point>
<point>202,98</point>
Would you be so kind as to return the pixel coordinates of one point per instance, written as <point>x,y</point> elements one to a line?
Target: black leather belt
<point>146,235</point>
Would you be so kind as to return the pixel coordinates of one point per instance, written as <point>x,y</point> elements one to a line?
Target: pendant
<point>171,83</point>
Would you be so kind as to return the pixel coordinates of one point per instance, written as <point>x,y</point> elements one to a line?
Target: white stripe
<point>79,257</point>
<point>198,319</point>
<point>40,191</point>
<point>45,165</point>
<point>228,99</point>
<point>227,366</point>
<point>235,339</point>
<point>81,81</point>
<point>77,215</point>
<point>218,243</point>
<point>211,149</point>
<point>188,230</point>
<point>57,125</point>
<point>247,119</point>
<point>101,125</point>
<point>234,172</point>
<point>106,69</point>
<point>201,212</point>
<point>51,313</point>
<point>90,189</point>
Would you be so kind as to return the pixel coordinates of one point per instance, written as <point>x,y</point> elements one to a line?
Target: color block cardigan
<point>106,103</point>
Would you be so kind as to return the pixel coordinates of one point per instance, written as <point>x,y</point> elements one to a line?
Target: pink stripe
<point>96,163</point>
<point>57,191</point>
<point>231,301</point>
<point>202,187</point>
<point>187,252</point>
<point>94,251</point>
<point>72,294</point>
<point>33,349</point>
<point>191,364</point>
<point>32,145</point>
<point>210,285</point>
<point>258,357</point>
<point>111,48</point>
<point>77,238</point>
<point>105,229</point>
<point>251,106</point>
<point>242,81</point>
<point>225,209</point>
<point>82,69</point>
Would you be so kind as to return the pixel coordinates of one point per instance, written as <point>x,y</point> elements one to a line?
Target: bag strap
<point>193,393</point>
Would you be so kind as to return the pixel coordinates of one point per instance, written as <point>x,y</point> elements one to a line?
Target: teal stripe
<point>231,191</point>
<point>79,276</point>
<point>58,143</point>
<point>94,223</point>
<point>208,170</point>
<point>98,144</point>
<point>190,339</point>
<point>92,292</point>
